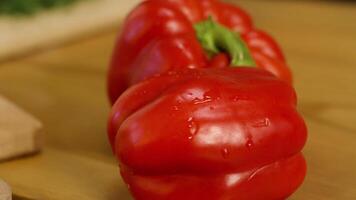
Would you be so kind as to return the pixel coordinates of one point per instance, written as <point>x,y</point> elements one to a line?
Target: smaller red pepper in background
<point>160,35</point>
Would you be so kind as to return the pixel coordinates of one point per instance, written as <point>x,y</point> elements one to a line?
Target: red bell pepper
<point>212,134</point>
<point>160,35</point>
<point>201,122</point>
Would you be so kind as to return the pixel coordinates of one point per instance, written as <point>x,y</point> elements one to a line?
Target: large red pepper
<point>212,134</point>
<point>160,35</point>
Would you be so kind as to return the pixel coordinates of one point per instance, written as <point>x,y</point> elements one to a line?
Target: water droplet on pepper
<point>249,143</point>
<point>225,153</point>
<point>193,128</point>
<point>262,123</point>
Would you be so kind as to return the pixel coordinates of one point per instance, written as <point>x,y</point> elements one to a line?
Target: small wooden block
<point>5,191</point>
<point>20,133</point>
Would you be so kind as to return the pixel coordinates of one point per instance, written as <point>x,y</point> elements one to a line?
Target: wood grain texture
<point>65,88</point>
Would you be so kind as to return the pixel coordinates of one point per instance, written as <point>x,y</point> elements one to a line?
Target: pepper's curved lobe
<point>234,132</point>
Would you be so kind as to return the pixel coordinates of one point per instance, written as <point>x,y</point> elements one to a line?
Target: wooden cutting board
<point>21,35</point>
<point>65,89</point>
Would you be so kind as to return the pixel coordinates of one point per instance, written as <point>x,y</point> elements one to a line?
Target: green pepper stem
<point>215,38</point>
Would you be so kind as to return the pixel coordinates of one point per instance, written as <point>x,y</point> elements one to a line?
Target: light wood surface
<point>65,88</point>
<point>20,35</point>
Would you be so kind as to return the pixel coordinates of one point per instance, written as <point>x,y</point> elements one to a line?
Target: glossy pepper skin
<point>212,134</point>
<point>159,36</point>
